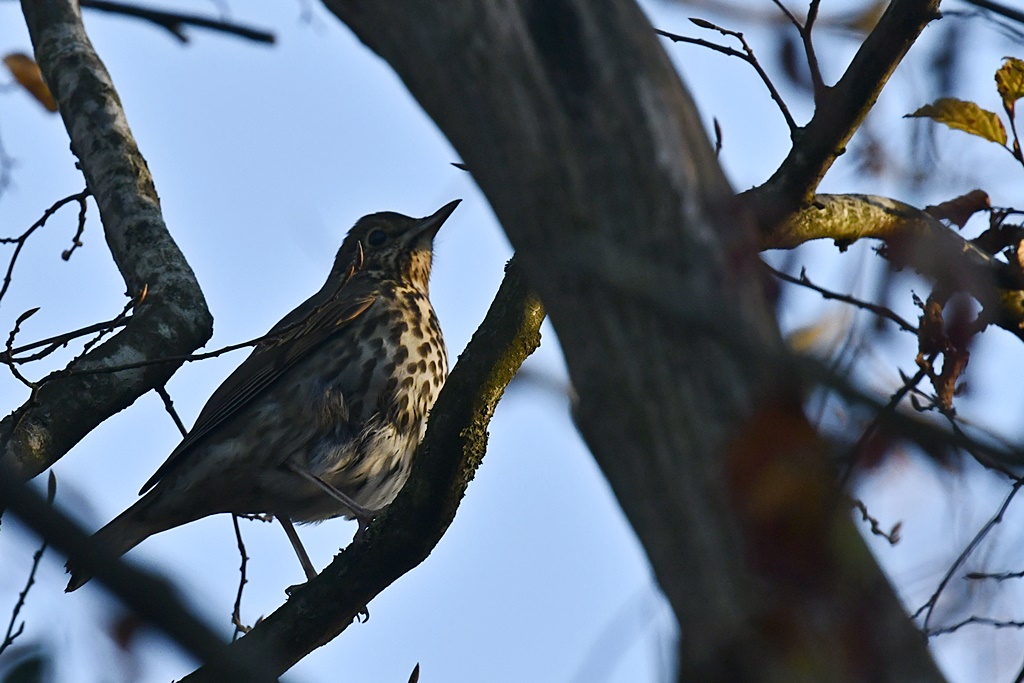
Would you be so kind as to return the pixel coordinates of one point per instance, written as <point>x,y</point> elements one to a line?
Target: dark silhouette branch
<point>152,599</point>
<point>175,22</point>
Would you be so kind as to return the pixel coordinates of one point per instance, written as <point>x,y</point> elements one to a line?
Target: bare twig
<point>175,22</point>
<point>983,621</point>
<point>236,613</point>
<point>804,29</point>
<point>892,536</point>
<point>19,242</point>
<point>880,311</point>
<point>34,386</point>
<point>76,241</point>
<point>12,633</point>
<point>999,576</point>
<point>747,56</point>
<point>928,608</point>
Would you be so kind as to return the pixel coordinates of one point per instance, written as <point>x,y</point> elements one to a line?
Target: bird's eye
<point>377,238</point>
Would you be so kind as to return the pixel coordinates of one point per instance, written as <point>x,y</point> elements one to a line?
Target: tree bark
<point>574,123</point>
<point>170,320</point>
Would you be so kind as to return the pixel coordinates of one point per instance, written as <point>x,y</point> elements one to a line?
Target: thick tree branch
<point>915,239</point>
<point>445,463</point>
<point>172,320</point>
<point>578,130</point>
<point>840,110</point>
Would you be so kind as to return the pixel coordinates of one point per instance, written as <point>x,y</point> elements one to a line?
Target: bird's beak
<point>429,226</point>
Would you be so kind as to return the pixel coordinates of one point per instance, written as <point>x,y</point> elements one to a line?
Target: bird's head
<point>388,245</point>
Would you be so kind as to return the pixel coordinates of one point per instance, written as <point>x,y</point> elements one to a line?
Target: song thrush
<point>322,419</point>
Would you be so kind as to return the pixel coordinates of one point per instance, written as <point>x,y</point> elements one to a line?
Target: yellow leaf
<point>965,116</point>
<point>1010,81</point>
<point>26,72</point>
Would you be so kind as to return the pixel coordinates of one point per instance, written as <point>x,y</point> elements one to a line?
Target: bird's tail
<point>122,534</point>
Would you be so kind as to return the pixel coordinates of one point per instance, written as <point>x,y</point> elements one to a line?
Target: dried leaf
<point>1010,82</point>
<point>26,72</point>
<point>959,210</point>
<point>965,116</point>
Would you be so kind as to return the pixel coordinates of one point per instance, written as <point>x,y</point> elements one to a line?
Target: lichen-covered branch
<point>913,238</point>
<point>445,463</point>
<point>172,319</point>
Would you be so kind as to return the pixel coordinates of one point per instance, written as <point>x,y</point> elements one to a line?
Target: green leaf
<point>1010,81</point>
<point>965,116</point>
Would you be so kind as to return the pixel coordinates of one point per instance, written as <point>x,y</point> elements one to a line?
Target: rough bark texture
<point>172,320</point>
<point>913,238</point>
<point>445,463</point>
<point>575,125</point>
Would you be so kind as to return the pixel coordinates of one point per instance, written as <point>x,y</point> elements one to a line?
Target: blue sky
<point>263,158</point>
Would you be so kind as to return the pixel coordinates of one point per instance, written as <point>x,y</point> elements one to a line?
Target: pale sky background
<point>263,158</point>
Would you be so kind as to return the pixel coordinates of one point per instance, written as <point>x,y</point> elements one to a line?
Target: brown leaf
<point>1010,82</point>
<point>26,72</point>
<point>965,116</point>
<point>959,210</point>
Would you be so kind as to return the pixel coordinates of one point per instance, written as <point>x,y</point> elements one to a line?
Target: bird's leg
<point>289,530</point>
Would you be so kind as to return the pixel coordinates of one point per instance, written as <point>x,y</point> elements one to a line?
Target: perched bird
<point>322,419</point>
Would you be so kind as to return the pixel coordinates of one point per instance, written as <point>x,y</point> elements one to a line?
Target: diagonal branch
<point>913,238</point>
<point>445,463</point>
<point>175,22</point>
<point>840,110</point>
<point>172,320</point>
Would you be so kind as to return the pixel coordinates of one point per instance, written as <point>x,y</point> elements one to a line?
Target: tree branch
<point>913,238</point>
<point>840,110</point>
<point>151,598</point>
<point>172,320</point>
<point>445,463</point>
<point>593,156</point>
<point>174,22</point>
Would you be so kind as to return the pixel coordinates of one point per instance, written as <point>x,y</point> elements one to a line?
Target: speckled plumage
<point>340,390</point>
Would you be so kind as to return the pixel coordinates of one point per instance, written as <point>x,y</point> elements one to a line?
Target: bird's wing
<point>297,334</point>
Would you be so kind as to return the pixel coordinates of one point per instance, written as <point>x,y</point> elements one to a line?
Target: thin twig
<point>10,344</point>
<point>57,341</point>
<point>175,22</point>
<point>76,241</point>
<point>169,407</point>
<point>872,429</point>
<point>269,337</point>
<point>928,608</point>
<point>1000,576</point>
<point>236,614</point>
<point>19,242</point>
<point>747,56</point>
<point>892,536</point>
<point>984,621</point>
<point>880,311</point>
<point>12,633</point>
<point>804,29</point>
